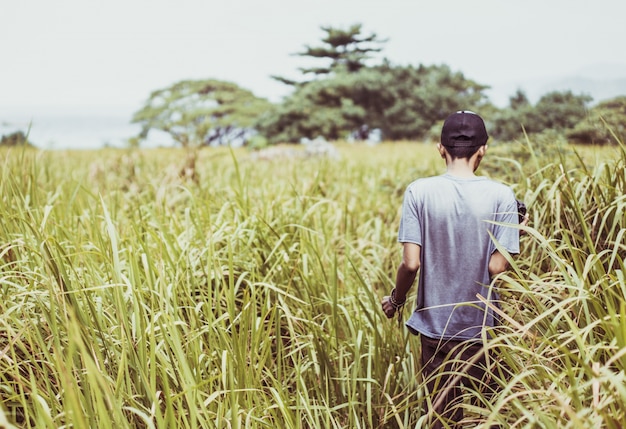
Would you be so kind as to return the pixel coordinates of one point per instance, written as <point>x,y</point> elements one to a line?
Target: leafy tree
<point>558,111</point>
<point>403,102</point>
<point>318,109</point>
<point>202,112</point>
<point>519,100</point>
<point>346,50</point>
<point>421,96</point>
<point>606,123</point>
<point>17,138</point>
<point>507,124</point>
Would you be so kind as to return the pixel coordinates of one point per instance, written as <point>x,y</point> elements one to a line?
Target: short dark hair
<point>462,152</point>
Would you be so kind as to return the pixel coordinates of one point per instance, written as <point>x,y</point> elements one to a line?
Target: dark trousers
<point>447,367</point>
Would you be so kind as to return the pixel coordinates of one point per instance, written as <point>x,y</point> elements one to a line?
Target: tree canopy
<point>342,50</point>
<point>558,110</point>
<point>402,102</point>
<point>347,49</point>
<point>606,123</point>
<point>349,95</point>
<point>349,98</point>
<point>17,138</point>
<point>202,112</point>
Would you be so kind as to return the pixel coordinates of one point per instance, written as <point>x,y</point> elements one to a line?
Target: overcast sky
<point>80,53</point>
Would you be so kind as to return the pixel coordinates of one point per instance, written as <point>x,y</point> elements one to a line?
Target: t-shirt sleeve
<point>410,226</point>
<point>504,233</point>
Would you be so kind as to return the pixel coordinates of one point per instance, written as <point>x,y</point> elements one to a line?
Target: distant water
<point>74,129</point>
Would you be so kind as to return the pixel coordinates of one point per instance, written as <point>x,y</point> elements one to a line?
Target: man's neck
<point>460,168</point>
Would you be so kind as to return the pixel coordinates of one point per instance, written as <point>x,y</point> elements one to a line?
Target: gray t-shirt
<point>451,218</point>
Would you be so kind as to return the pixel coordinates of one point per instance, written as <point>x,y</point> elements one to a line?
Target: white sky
<point>81,53</point>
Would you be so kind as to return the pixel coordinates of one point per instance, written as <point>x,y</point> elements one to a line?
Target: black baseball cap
<point>464,129</point>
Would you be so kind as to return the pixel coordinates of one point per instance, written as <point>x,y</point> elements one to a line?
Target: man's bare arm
<point>405,277</point>
<point>497,264</point>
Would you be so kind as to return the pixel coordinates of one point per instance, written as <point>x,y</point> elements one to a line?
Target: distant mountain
<point>600,81</point>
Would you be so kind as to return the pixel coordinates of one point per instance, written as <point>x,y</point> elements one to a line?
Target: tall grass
<point>141,290</point>
<point>565,298</point>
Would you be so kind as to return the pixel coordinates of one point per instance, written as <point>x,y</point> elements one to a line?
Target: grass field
<point>149,289</point>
